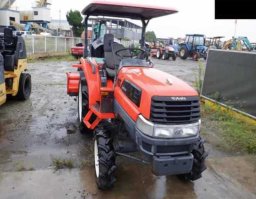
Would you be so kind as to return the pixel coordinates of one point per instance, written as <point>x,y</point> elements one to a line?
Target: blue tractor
<point>193,46</point>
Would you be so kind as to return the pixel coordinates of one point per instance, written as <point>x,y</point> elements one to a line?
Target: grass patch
<point>199,76</point>
<point>53,58</point>
<point>236,134</point>
<point>22,168</point>
<point>62,163</point>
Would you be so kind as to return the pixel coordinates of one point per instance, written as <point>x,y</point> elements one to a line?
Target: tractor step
<point>94,110</point>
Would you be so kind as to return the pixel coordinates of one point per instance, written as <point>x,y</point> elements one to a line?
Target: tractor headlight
<point>170,48</point>
<point>167,131</point>
<point>176,131</point>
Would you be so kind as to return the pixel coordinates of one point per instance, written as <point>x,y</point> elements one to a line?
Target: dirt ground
<point>44,128</point>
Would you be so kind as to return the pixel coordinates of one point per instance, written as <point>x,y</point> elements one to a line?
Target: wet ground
<point>44,128</point>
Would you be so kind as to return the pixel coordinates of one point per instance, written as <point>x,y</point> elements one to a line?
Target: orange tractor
<point>129,106</point>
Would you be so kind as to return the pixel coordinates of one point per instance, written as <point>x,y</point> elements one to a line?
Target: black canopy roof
<point>126,10</point>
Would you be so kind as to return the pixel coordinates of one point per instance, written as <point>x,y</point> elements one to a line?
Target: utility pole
<point>59,22</point>
<point>235,27</point>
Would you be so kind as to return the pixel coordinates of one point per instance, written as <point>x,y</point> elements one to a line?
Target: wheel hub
<point>96,158</point>
<point>158,53</point>
<point>182,52</point>
<point>80,103</point>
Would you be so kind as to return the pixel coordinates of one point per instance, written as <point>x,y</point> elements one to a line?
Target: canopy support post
<point>86,36</point>
<point>144,26</point>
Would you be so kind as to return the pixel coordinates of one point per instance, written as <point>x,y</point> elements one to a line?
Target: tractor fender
<point>91,74</point>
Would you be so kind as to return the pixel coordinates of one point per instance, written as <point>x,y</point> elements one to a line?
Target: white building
<point>60,27</point>
<point>37,14</point>
<point>42,13</point>
<point>6,16</point>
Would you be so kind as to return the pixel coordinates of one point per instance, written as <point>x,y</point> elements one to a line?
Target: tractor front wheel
<point>165,56</point>
<point>104,159</point>
<point>158,54</point>
<point>196,56</point>
<point>24,86</point>
<point>174,57</point>
<point>199,166</point>
<point>183,53</point>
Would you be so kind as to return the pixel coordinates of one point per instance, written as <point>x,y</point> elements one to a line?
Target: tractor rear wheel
<point>183,53</point>
<point>83,104</point>
<point>104,158</point>
<point>158,54</point>
<point>24,86</point>
<point>199,166</point>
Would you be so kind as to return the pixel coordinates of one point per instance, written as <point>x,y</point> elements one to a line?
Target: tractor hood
<point>158,83</point>
<point>153,82</point>
<point>201,48</point>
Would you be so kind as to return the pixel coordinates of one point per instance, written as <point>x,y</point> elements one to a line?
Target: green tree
<point>150,36</point>
<point>74,19</point>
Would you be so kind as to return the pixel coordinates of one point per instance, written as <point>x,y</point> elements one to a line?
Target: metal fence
<point>49,44</point>
<point>36,44</point>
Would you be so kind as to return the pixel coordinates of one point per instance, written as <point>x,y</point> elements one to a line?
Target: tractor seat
<point>112,60</point>
<point>10,40</point>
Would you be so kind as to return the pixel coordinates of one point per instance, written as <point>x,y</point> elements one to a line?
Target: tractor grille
<point>175,110</point>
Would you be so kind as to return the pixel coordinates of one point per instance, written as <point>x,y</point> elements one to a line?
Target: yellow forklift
<point>14,81</point>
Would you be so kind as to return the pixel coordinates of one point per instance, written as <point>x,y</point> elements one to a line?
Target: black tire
<point>205,56</point>
<point>174,57</point>
<point>198,162</point>
<point>25,87</point>
<point>104,158</point>
<point>158,54</point>
<point>165,56</point>
<point>183,53</point>
<point>83,104</point>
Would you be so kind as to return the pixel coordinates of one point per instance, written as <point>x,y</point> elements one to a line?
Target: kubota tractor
<point>129,106</point>
<point>164,50</point>
<point>14,82</point>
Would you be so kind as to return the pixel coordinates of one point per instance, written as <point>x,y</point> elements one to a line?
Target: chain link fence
<point>49,44</point>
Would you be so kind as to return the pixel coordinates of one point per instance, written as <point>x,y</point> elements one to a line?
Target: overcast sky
<point>194,16</point>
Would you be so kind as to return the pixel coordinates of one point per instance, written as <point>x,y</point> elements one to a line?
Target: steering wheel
<point>142,54</point>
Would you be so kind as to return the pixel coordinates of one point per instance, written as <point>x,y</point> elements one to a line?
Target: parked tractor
<point>129,106</point>
<point>14,81</point>
<point>194,46</point>
<point>164,49</point>
<point>77,50</point>
<point>215,42</point>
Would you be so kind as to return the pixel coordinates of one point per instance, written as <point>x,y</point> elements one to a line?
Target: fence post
<point>65,44</point>
<point>56,44</point>
<point>33,45</point>
<point>45,47</point>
